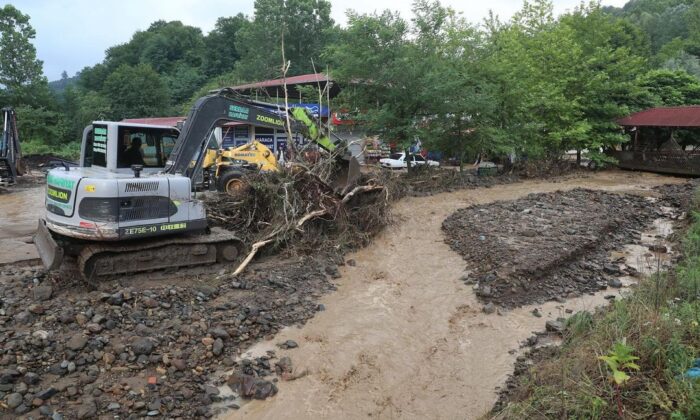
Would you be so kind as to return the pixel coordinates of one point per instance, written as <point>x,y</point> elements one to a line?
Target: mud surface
<point>552,245</point>
<point>20,210</point>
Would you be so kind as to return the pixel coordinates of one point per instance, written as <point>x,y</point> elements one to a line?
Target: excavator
<point>121,212</point>
<point>10,152</point>
<point>224,168</point>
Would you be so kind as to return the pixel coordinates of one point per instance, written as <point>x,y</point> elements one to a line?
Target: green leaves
<point>306,27</point>
<point>671,88</point>
<point>619,359</point>
<point>136,91</point>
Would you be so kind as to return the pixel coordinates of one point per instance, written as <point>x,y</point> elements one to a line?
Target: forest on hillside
<point>532,85</point>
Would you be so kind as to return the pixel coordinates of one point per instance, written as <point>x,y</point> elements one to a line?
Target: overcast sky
<point>72,34</point>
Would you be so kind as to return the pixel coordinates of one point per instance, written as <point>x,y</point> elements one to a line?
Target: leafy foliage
<point>619,359</point>
<point>526,88</point>
<point>136,91</point>
<point>305,26</point>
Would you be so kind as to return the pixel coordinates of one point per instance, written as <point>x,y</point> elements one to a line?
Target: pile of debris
<point>147,350</point>
<point>549,246</point>
<point>298,210</point>
<point>426,181</point>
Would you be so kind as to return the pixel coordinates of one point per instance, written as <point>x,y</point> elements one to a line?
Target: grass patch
<point>658,325</point>
<point>70,151</point>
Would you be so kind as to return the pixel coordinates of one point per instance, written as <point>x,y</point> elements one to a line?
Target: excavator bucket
<point>346,175</point>
<point>51,254</point>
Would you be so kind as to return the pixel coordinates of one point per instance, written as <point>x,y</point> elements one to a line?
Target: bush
<point>70,151</point>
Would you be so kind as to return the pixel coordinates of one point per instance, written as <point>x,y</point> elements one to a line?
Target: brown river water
<point>402,337</point>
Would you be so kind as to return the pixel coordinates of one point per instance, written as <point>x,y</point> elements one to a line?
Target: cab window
<point>149,147</point>
<point>96,146</point>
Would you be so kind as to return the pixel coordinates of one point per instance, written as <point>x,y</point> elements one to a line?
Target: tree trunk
<point>578,157</point>
<point>408,160</point>
<point>461,160</point>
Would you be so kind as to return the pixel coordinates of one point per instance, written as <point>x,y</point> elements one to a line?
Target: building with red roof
<point>664,139</point>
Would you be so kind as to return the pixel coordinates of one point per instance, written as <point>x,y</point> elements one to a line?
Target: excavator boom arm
<point>225,106</point>
<point>208,112</point>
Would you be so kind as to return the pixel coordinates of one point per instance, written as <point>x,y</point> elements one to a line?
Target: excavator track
<point>103,261</point>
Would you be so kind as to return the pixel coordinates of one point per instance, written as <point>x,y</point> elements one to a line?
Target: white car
<point>398,161</point>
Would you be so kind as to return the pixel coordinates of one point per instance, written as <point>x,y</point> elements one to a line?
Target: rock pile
<point>550,246</point>
<point>145,351</point>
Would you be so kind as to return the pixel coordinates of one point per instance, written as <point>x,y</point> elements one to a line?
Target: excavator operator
<point>132,155</point>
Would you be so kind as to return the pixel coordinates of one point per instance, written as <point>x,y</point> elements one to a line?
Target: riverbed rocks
<point>248,386</point>
<point>551,246</point>
<point>138,348</point>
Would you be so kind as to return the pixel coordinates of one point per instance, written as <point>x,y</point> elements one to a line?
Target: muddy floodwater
<point>19,212</point>
<point>403,337</point>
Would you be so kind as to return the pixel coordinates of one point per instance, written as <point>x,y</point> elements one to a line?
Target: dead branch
<point>249,258</point>
<point>361,189</point>
<point>310,216</point>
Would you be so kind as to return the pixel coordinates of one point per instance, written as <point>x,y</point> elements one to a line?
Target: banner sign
<point>266,139</point>
<point>314,109</point>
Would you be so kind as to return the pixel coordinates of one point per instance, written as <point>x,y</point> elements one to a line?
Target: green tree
<point>21,73</point>
<point>182,81</point>
<point>456,90</point>
<point>563,82</point>
<point>605,87</point>
<point>161,46</point>
<point>40,124</point>
<point>532,57</point>
<point>220,53</point>
<point>374,56</point>
<point>305,26</point>
<point>671,88</point>
<point>92,78</point>
<point>136,91</point>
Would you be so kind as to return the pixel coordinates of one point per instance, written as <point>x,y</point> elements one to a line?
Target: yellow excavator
<point>224,167</point>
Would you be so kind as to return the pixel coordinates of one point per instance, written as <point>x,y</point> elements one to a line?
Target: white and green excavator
<point>123,212</point>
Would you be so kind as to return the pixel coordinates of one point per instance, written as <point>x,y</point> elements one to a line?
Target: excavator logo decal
<point>60,182</point>
<point>270,120</point>
<point>62,196</point>
<point>238,112</point>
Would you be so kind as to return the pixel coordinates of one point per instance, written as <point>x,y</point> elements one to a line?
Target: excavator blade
<point>50,252</point>
<point>346,175</point>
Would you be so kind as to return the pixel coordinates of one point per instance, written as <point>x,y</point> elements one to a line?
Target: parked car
<point>398,161</point>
